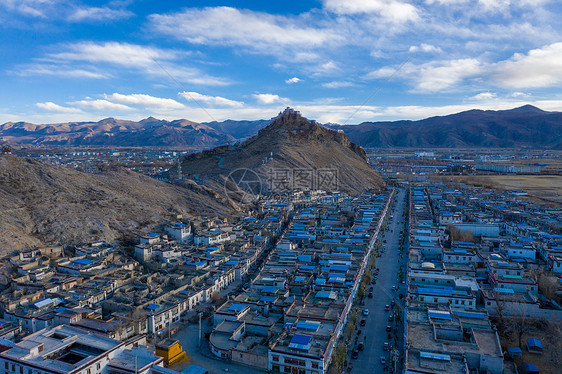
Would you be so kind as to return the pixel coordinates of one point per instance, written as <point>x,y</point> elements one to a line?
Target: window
<point>435,300</point>
<point>315,365</point>
<point>275,358</point>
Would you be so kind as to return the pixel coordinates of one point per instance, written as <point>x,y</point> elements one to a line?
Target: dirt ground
<point>545,188</point>
<point>550,335</point>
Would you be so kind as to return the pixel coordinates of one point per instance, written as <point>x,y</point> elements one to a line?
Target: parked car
<point>362,323</point>
<point>370,295</point>
<point>360,346</point>
<point>388,328</point>
<point>391,317</point>
<point>365,312</point>
<point>393,302</point>
<point>387,307</point>
<point>371,288</point>
<point>355,354</point>
<point>383,360</point>
<point>385,346</point>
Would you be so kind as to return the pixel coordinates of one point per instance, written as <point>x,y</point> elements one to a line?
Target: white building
<point>70,350</point>
<point>180,231</point>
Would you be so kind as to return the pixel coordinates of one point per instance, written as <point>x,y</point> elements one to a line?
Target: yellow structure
<point>171,350</point>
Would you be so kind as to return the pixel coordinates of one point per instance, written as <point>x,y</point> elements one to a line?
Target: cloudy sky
<point>344,61</point>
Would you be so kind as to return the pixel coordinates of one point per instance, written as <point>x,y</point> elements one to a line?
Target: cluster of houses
<point>289,317</point>
<point>475,255</point>
<point>99,296</point>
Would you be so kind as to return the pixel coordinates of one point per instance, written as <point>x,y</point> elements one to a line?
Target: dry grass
<point>542,188</point>
<point>549,333</point>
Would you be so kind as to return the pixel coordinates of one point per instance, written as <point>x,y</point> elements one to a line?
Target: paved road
<point>374,333</point>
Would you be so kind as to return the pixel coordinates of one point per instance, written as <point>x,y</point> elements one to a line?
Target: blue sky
<point>344,61</point>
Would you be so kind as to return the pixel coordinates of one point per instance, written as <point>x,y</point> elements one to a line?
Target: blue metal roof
<point>313,326</point>
<point>268,289</point>
<point>82,261</point>
<point>440,314</point>
<point>435,356</point>
<point>535,343</point>
<point>301,342</point>
<point>530,368</point>
<point>267,299</point>
<point>153,306</point>
<point>236,307</point>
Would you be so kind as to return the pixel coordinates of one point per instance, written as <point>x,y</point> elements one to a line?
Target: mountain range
<point>526,126</point>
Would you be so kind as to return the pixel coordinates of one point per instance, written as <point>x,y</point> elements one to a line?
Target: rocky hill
<point>46,204</point>
<point>526,126</point>
<point>290,153</point>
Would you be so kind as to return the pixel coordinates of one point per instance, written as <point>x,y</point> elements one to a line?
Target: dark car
<point>390,318</point>
<point>360,346</point>
<point>371,288</point>
<point>362,323</point>
<point>387,307</point>
<point>392,302</point>
<point>355,354</point>
<point>370,294</point>
<point>358,332</point>
<point>388,328</point>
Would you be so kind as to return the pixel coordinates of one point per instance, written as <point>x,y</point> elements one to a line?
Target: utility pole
<point>199,329</point>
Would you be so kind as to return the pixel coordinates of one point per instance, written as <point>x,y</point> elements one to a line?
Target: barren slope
<point>290,142</point>
<point>47,204</point>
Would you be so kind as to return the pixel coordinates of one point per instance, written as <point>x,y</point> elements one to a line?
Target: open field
<point>549,334</point>
<point>546,188</point>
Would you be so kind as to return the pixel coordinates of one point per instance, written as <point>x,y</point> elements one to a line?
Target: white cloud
<point>98,14</point>
<point>62,70</point>
<point>427,48</point>
<point>394,10</point>
<point>433,76</point>
<point>52,107</point>
<point>255,31</point>
<point>337,84</point>
<point>99,104</point>
<point>33,8</point>
<point>141,59</point>
<point>439,76</point>
<point>293,80</point>
<point>269,99</point>
<point>144,101</point>
<point>484,96</point>
<point>540,67</point>
<point>519,94</point>
<point>211,100</point>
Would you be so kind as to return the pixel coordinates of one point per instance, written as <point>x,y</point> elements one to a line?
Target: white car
<point>366,312</point>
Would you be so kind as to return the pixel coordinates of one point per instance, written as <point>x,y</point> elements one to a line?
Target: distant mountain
<point>290,153</point>
<point>238,129</point>
<point>43,204</point>
<point>526,126</point>
<point>114,132</point>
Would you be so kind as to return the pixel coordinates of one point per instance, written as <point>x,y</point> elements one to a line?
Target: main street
<point>374,333</point>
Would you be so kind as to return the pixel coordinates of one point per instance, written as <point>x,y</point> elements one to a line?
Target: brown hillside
<point>46,204</point>
<point>290,142</point>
